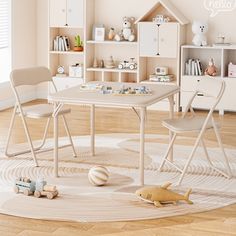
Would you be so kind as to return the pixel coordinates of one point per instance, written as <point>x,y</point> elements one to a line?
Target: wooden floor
<point>219,222</point>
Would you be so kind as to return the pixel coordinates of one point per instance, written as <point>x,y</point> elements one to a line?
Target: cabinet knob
<point>63,10</point>
<point>70,10</point>
<point>155,39</point>
<point>162,40</point>
<point>66,24</point>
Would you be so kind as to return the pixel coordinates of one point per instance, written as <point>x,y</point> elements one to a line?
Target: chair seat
<point>42,111</point>
<point>192,124</point>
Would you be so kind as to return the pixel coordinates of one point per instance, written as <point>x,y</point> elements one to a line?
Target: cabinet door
<point>168,40</point>
<point>75,13</point>
<point>57,13</point>
<point>148,37</point>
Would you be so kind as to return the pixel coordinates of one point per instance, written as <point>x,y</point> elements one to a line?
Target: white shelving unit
<point>222,57</point>
<point>155,45</point>
<point>66,18</point>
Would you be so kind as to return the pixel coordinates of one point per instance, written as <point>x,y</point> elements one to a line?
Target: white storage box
<point>76,71</point>
<point>232,70</point>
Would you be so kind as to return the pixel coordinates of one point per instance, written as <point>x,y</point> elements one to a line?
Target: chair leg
<point>29,140</point>
<point>189,159</point>
<point>29,150</point>
<point>10,131</point>
<point>223,151</point>
<point>69,135</point>
<point>210,162</point>
<point>167,152</point>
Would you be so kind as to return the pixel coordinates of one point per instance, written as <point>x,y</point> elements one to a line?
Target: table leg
<point>92,129</point>
<point>55,118</point>
<point>171,116</point>
<point>142,145</point>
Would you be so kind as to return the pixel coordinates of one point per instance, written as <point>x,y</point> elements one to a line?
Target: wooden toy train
<point>37,188</point>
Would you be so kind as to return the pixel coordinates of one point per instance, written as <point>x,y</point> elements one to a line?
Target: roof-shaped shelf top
<point>164,7</point>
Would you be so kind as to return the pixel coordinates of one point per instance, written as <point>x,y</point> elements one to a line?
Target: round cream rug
<point>79,201</point>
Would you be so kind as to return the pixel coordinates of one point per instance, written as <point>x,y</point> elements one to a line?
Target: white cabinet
<point>158,40</point>
<point>66,13</point>
<point>222,57</point>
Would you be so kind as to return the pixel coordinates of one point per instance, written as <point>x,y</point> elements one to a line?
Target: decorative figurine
<point>127,33</point>
<point>211,69</point>
<point>110,63</point>
<point>95,63</point>
<point>111,34</point>
<point>101,64</point>
<point>199,29</point>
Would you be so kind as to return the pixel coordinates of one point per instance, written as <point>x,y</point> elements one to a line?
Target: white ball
<point>98,175</point>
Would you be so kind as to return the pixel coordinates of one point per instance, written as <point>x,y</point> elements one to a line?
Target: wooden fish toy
<point>162,195</point>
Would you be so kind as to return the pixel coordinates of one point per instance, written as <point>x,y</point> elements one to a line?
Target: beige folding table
<point>139,103</point>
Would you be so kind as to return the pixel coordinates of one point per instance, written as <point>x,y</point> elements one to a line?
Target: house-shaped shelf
<point>166,8</point>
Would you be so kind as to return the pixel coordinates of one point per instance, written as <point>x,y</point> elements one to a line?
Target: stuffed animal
<point>127,33</point>
<point>199,29</point>
<point>162,195</point>
<point>211,69</point>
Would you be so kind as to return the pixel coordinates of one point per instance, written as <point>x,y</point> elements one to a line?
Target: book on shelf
<point>193,67</point>
<point>161,78</point>
<point>61,43</point>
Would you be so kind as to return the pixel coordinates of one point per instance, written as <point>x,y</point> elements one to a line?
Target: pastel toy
<point>38,188</point>
<point>211,69</point>
<point>98,175</point>
<point>127,33</point>
<point>199,29</point>
<point>162,195</point>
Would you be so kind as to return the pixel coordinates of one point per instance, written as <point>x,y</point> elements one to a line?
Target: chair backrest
<point>210,88</point>
<point>30,76</point>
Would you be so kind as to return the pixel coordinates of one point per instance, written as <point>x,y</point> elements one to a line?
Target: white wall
<point>24,46</point>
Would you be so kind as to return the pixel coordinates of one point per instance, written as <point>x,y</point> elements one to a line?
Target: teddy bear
<point>211,69</point>
<point>127,33</point>
<point>199,29</point>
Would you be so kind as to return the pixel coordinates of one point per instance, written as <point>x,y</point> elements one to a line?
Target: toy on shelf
<point>211,70</point>
<point>102,64</point>
<point>199,29</point>
<point>162,195</point>
<point>110,63</point>
<point>37,188</point>
<point>127,33</point>
<point>159,19</point>
<point>78,44</point>
<point>111,34</point>
<point>128,65</point>
<point>95,63</point>
<point>98,175</point>
<point>232,70</point>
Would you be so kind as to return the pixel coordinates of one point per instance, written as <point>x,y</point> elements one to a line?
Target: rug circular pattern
<point>79,201</point>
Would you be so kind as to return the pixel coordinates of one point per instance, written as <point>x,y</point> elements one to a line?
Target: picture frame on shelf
<point>98,32</point>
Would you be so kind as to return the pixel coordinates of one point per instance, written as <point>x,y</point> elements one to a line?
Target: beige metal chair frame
<point>213,88</point>
<point>33,76</point>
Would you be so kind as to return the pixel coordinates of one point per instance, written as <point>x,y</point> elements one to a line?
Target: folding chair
<point>213,89</point>
<point>32,77</point>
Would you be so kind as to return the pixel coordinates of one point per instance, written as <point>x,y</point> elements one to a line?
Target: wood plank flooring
<point>218,222</point>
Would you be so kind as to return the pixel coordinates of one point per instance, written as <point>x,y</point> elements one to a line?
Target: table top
<point>76,96</point>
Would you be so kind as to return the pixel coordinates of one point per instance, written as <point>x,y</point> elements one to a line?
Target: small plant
<point>78,44</point>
